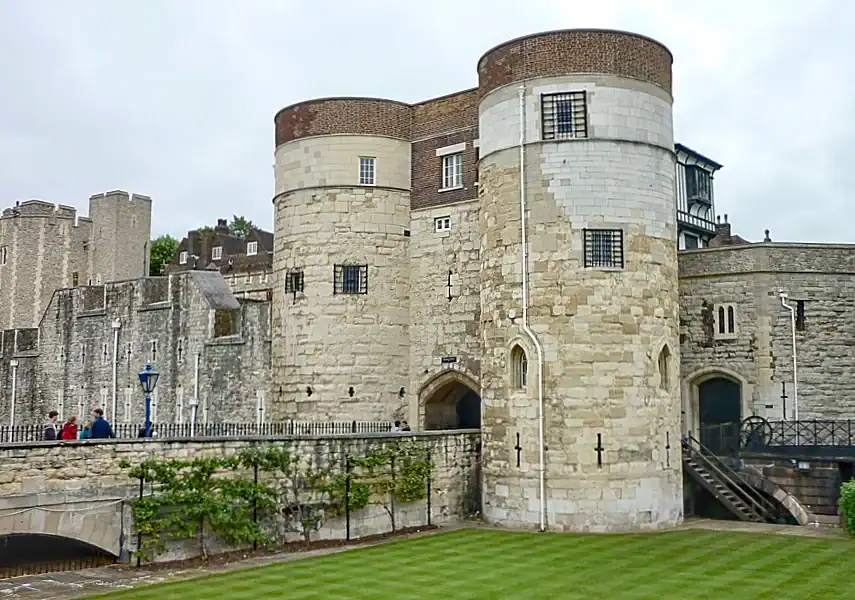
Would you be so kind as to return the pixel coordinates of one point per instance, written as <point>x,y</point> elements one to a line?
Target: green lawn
<point>684,565</point>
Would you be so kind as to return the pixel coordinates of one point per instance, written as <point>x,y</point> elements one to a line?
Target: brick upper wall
<point>325,116</point>
<point>438,123</point>
<point>575,51</point>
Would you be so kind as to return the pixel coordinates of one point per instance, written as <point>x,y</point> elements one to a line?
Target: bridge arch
<point>691,391</point>
<point>450,400</point>
<point>94,524</point>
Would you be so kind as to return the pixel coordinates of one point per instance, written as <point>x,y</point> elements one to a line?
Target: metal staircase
<point>740,498</point>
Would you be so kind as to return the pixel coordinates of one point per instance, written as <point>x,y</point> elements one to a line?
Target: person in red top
<point>69,430</point>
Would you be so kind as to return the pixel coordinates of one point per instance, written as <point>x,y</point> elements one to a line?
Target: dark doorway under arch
<point>23,554</point>
<point>453,405</point>
<point>720,413</point>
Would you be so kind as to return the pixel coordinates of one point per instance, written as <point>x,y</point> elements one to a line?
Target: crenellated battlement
<point>40,208</point>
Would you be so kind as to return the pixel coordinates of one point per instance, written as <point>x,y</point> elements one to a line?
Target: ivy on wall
<point>263,493</point>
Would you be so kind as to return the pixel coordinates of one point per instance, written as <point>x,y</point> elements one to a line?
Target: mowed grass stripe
<point>485,564</point>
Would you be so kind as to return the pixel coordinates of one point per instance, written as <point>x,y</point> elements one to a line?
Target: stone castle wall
<point>759,356</point>
<point>168,321</point>
<point>82,474</point>
<point>48,247</point>
<point>602,330</point>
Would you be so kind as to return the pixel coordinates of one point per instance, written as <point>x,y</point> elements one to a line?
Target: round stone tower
<point>579,375</point>
<point>341,306</point>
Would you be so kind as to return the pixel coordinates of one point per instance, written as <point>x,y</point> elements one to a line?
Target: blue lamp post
<point>148,380</point>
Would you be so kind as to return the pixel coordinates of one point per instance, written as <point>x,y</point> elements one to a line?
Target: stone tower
<point>342,205</point>
<point>576,127</point>
<point>120,237</point>
<point>43,246</point>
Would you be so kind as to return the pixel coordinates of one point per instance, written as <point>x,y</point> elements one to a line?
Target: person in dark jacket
<point>100,428</point>
<point>51,433</point>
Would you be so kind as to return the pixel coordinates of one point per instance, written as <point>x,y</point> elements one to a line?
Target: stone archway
<point>451,400</point>
<point>712,396</point>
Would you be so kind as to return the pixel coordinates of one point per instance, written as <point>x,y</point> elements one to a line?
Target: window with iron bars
<point>294,283</point>
<point>564,116</point>
<point>350,279</point>
<point>603,248</point>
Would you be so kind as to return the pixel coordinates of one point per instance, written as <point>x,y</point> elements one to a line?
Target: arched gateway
<point>451,400</point>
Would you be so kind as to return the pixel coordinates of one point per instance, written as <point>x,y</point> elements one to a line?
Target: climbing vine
<point>263,493</point>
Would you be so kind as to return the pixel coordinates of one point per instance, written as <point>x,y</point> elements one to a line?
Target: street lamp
<point>148,381</point>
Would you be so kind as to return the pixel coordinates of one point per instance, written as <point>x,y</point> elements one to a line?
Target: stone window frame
<point>725,321</point>
<point>183,257</point>
<point>251,248</point>
<point>217,253</point>
<point>343,282</point>
<point>564,115</point>
<point>367,170</point>
<point>664,367</point>
<point>442,224</point>
<point>4,255</point>
<point>518,368</point>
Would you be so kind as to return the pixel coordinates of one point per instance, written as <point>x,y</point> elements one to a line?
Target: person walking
<point>100,428</point>
<point>69,430</point>
<point>51,432</point>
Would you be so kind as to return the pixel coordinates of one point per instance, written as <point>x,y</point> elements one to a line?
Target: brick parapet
<point>574,51</point>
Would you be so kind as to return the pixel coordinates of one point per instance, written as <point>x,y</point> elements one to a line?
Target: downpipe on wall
<point>195,403</point>
<point>117,324</point>
<point>792,310</point>
<point>14,364</point>
<point>524,325</point>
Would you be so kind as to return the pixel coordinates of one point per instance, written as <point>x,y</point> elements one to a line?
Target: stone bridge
<point>77,490</point>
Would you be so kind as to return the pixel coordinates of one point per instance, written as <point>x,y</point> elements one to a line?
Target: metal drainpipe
<point>792,310</point>
<point>117,324</point>
<point>525,327</point>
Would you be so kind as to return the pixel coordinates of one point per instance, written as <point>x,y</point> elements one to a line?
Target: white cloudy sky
<point>175,98</point>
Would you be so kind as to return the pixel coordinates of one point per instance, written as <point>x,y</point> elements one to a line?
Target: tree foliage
<point>263,493</point>
<point>847,505</point>
<point>163,248</point>
<point>240,226</point>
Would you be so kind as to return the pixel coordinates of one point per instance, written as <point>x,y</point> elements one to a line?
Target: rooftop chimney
<point>222,226</point>
<point>722,233</point>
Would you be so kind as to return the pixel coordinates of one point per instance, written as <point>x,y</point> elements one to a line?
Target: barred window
<point>603,248</point>
<point>350,279</point>
<point>293,282</point>
<point>564,115</point>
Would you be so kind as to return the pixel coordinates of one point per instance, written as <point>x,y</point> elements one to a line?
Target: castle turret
<point>576,127</point>
<point>341,309</point>
<point>120,237</point>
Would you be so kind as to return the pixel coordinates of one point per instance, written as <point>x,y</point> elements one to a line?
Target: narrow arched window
<point>519,368</point>
<point>721,319</point>
<point>731,320</point>
<point>665,368</point>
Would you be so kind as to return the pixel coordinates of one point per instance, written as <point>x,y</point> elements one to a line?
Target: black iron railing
<point>35,433</point>
<point>55,566</point>
<point>756,434</point>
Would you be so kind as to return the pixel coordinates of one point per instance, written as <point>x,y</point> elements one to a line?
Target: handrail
<point>741,487</point>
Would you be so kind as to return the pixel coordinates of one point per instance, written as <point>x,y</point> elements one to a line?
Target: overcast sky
<point>175,98</point>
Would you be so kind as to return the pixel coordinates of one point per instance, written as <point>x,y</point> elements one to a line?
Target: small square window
<point>724,321</point>
<point>367,170</point>
<point>603,248</point>
<point>217,253</point>
<point>350,279</point>
<point>293,282</point>
<point>452,171</point>
<point>182,258</point>
<point>442,224</point>
<point>251,248</point>
<point>564,116</point>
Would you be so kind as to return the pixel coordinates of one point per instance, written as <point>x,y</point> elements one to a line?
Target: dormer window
<point>698,184</point>
<point>217,253</point>
<point>251,248</point>
<point>182,258</point>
